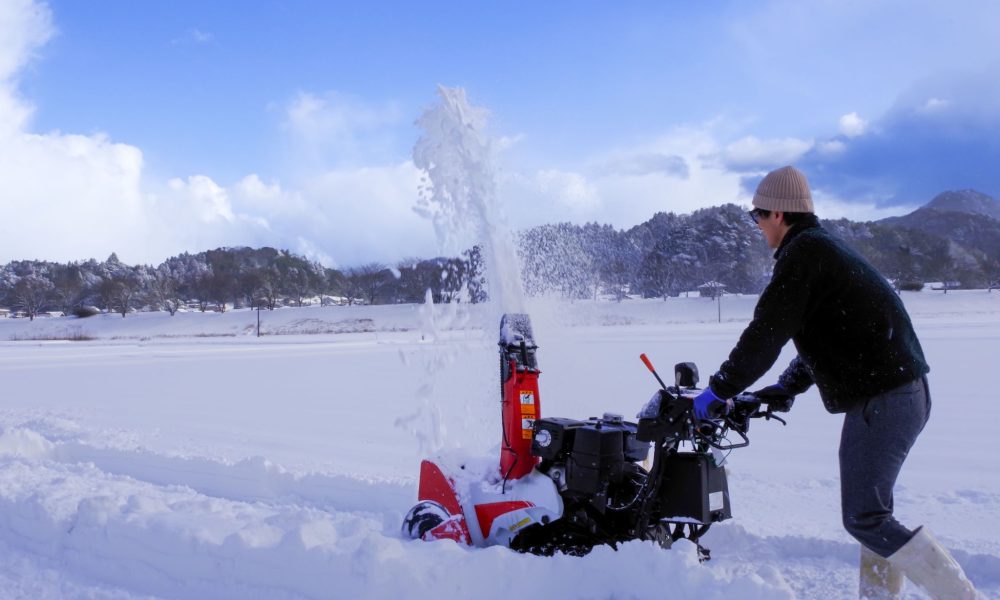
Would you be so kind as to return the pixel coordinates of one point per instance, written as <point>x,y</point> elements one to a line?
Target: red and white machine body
<point>488,504</point>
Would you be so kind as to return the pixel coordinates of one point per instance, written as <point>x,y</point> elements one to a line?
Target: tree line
<point>662,257</point>
<point>722,248</point>
<point>230,277</point>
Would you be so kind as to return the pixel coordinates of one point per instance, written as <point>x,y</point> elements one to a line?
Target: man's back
<point>855,336</point>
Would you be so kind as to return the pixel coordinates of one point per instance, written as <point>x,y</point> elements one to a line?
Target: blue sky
<point>150,128</point>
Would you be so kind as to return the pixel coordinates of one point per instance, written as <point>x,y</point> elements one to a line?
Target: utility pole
<point>258,320</point>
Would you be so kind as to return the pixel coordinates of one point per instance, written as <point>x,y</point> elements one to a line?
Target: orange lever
<point>649,365</point>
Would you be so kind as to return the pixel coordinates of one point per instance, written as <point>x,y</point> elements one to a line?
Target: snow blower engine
<point>567,485</point>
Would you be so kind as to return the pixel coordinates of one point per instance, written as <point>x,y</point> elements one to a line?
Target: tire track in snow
<point>251,480</point>
<point>171,540</point>
<point>255,479</point>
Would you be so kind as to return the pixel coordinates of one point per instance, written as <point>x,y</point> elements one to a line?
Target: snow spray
<point>458,195</point>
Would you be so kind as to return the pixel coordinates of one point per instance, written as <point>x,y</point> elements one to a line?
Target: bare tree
<point>366,282</point>
<point>251,286</point>
<point>991,272</point>
<point>68,285</point>
<point>164,290</point>
<point>351,287</point>
<point>202,288</point>
<point>106,291</point>
<point>123,289</point>
<point>219,288</point>
<point>297,284</point>
<point>333,282</point>
<point>269,292</point>
<point>31,292</point>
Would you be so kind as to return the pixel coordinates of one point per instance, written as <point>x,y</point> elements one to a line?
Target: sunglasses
<point>757,214</point>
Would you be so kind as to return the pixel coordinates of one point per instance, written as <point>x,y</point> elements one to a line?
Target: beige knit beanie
<point>785,190</point>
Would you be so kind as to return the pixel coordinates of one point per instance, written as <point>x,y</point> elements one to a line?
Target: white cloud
<point>646,163</point>
<point>263,196</point>
<point>201,37</point>
<point>340,217</point>
<point>506,142</point>
<point>751,152</point>
<point>194,36</point>
<point>831,147</point>
<point>626,197</point>
<point>364,214</point>
<point>24,27</point>
<point>206,200</point>
<point>829,206</point>
<point>851,125</point>
<point>63,196</point>
<point>71,197</point>
<point>195,214</point>
<point>934,105</point>
<point>571,191</point>
<point>340,129</point>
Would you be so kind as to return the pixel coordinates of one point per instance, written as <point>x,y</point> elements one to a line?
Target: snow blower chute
<point>566,485</point>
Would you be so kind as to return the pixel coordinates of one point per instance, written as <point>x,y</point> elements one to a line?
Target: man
<point>856,343</point>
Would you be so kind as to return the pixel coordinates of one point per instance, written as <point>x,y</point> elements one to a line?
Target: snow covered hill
<point>185,457</point>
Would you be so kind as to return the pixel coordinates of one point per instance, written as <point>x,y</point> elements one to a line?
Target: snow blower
<point>566,485</point>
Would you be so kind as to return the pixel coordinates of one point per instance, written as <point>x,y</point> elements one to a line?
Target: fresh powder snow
<point>185,457</point>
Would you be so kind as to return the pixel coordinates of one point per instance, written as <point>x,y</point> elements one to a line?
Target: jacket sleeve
<point>796,378</point>
<point>780,313</point>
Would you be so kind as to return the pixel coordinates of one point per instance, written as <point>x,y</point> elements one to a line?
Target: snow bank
<point>172,540</point>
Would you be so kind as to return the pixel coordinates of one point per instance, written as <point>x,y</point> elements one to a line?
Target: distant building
<point>711,289</point>
<point>944,285</point>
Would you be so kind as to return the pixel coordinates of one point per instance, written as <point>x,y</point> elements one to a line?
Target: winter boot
<point>880,579</point>
<point>926,563</point>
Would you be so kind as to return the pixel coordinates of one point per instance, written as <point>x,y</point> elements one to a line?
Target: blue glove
<point>708,406</point>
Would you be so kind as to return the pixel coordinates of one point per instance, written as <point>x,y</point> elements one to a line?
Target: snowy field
<point>185,457</point>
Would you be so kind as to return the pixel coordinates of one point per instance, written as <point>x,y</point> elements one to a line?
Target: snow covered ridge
<point>219,465</point>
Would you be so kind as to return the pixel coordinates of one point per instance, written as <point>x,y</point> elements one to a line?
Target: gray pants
<point>876,438</point>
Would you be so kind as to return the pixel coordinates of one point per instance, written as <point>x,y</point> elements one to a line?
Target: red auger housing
<point>519,395</point>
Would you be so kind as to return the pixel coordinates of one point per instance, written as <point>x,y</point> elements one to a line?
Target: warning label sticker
<point>527,397</point>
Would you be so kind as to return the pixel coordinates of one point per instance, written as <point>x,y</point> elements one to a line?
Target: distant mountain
<point>966,201</point>
<point>966,218</point>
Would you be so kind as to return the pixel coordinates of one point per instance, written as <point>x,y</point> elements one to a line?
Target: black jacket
<point>851,331</point>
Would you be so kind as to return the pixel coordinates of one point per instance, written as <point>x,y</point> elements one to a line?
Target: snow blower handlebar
<point>675,417</point>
